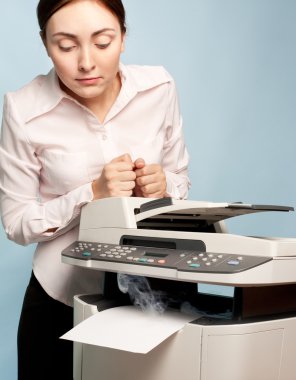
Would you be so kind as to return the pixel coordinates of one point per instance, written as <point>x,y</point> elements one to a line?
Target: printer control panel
<point>178,259</point>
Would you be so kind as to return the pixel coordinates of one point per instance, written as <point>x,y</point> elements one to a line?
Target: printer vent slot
<point>172,223</point>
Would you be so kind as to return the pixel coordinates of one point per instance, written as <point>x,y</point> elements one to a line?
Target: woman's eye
<point>103,46</point>
<point>66,48</point>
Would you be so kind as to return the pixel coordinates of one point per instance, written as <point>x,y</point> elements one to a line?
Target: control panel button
<point>194,265</point>
<point>233,262</point>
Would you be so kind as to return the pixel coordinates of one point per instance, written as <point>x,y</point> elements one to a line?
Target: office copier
<point>183,249</point>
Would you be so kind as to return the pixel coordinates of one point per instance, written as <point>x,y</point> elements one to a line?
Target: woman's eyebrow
<point>103,31</point>
<point>70,35</point>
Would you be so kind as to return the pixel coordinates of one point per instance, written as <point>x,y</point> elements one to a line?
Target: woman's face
<point>84,41</point>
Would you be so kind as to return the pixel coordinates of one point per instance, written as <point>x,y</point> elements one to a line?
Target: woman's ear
<point>123,43</point>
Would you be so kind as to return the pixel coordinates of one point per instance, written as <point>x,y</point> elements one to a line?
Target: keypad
<point>178,259</point>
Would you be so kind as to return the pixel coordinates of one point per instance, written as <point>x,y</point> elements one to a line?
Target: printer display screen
<point>153,254</point>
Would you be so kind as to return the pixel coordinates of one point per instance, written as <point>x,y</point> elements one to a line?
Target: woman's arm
<point>170,177</point>
<point>175,158</point>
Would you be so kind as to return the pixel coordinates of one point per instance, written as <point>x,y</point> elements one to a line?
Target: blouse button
<point>104,137</point>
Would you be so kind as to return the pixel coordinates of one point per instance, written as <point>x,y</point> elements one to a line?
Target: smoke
<point>141,293</point>
<point>187,308</point>
<point>156,302</point>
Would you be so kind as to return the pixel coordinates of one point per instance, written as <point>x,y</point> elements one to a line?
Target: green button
<point>194,265</point>
<point>143,260</point>
<point>86,254</point>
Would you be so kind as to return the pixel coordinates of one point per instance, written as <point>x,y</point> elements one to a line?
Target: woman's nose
<point>86,62</point>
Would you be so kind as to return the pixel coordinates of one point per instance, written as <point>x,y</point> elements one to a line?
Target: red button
<point>161,261</point>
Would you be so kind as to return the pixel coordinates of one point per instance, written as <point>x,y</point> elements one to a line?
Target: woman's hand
<point>117,179</point>
<point>150,180</point>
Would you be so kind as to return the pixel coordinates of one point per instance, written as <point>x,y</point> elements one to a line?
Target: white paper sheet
<point>128,328</point>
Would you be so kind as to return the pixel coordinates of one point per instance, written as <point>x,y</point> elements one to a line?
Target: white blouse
<point>52,148</point>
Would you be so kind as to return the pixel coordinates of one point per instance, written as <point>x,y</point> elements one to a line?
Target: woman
<point>91,128</point>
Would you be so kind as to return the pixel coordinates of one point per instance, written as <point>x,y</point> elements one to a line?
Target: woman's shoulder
<point>145,76</point>
<point>31,97</point>
<point>29,88</point>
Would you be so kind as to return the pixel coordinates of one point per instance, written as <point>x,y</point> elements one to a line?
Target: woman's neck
<point>101,104</point>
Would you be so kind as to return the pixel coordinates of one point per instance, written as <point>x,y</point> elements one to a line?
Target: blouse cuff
<point>177,185</point>
<point>60,215</point>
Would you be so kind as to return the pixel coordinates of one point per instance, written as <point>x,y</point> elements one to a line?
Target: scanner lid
<point>168,208</point>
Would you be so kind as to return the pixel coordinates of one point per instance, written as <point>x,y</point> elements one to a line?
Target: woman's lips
<point>92,80</point>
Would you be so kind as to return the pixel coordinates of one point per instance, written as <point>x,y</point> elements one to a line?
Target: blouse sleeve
<point>176,158</point>
<point>26,219</point>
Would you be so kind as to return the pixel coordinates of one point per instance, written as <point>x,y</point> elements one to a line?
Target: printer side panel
<point>82,311</point>
<point>251,351</point>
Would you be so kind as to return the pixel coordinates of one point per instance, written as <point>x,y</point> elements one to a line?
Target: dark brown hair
<point>46,8</point>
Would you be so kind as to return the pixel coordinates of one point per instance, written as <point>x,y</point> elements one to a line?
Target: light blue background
<point>234,63</point>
